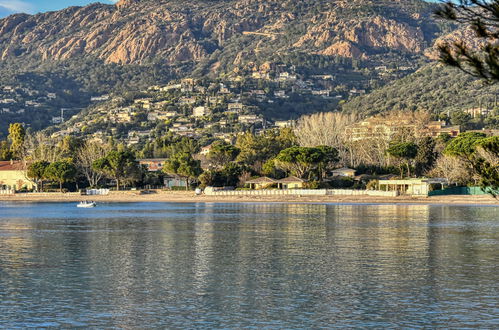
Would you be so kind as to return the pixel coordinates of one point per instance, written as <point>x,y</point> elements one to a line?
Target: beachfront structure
<point>175,181</point>
<point>344,171</point>
<point>291,182</point>
<point>13,175</point>
<point>261,183</point>
<point>415,187</point>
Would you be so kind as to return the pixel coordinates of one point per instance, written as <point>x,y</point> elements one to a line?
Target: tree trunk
<point>408,170</point>
<point>60,186</point>
<point>117,184</point>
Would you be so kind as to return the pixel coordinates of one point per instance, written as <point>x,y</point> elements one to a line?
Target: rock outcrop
<point>137,31</point>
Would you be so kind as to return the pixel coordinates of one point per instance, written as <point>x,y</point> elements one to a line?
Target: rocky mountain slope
<point>137,31</point>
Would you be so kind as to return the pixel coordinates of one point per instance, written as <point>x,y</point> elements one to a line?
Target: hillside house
<point>153,164</point>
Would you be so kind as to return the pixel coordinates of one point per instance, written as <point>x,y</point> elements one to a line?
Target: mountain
<point>137,31</point>
<point>83,51</point>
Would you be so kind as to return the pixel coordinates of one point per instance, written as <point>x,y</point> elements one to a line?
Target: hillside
<point>434,87</point>
<point>80,52</point>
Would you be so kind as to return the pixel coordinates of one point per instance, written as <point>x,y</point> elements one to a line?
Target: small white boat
<point>86,204</point>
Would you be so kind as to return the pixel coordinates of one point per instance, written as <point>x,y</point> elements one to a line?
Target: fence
<point>93,192</point>
<point>7,192</point>
<point>302,192</point>
<point>459,191</point>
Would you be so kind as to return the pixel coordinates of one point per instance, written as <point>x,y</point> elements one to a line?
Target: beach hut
<point>260,183</point>
<point>291,182</point>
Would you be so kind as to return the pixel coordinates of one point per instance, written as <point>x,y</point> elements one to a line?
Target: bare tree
<point>325,129</point>
<point>41,147</point>
<point>454,169</point>
<point>85,158</point>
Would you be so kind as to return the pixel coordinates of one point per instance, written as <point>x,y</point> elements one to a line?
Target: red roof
<point>11,166</point>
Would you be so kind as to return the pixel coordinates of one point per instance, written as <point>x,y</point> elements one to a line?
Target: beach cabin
<point>174,181</point>
<point>414,187</point>
<point>260,183</point>
<point>291,182</point>
<point>344,171</point>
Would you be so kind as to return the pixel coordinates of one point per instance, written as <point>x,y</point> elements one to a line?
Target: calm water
<point>248,265</point>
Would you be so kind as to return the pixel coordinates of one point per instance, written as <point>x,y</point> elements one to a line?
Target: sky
<point>35,6</point>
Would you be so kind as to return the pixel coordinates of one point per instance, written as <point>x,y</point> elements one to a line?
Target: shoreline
<point>190,197</point>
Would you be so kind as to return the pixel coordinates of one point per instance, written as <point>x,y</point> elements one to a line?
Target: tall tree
<point>405,151</point>
<point>36,171</point>
<point>300,161</point>
<point>61,171</point>
<point>222,153</point>
<point>17,135</point>
<point>184,165</point>
<point>90,152</point>
<point>118,165</point>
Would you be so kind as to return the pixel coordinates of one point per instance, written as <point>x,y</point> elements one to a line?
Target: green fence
<point>458,191</point>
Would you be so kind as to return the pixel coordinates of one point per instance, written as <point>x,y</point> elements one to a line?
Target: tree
<point>461,118</point>
<point>61,171</point>
<point>185,165</point>
<point>5,153</point>
<point>118,165</point>
<point>480,153</point>
<point>17,135</point>
<point>300,161</point>
<point>325,129</point>
<point>36,171</point>
<point>222,153</point>
<point>90,152</point>
<point>481,59</point>
<point>330,158</point>
<point>426,156</point>
<point>404,151</point>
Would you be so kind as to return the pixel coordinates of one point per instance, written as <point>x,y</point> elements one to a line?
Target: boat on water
<point>86,204</point>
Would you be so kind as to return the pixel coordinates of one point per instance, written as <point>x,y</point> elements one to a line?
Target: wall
<point>15,179</point>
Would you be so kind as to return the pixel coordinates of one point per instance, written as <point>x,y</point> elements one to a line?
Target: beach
<point>191,197</point>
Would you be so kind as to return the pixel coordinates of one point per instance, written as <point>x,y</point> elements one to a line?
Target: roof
<point>263,179</point>
<point>11,165</point>
<point>291,179</point>
<point>344,169</point>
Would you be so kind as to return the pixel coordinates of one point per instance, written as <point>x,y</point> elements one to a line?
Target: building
<point>200,111</point>
<point>345,172</point>
<point>13,175</point>
<point>414,187</point>
<point>291,182</point>
<point>261,183</point>
<point>175,181</point>
<point>153,164</point>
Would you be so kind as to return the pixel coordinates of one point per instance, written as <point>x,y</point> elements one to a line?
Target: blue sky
<point>34,6</point>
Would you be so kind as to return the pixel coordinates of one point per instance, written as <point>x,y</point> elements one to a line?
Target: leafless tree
<point>325,129</point>
<point>87,155</point>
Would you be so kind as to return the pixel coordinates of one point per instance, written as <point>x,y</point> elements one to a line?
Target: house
<point>291,182</point>
<point>174,181</point>
<point>153,164</point>
<point>260,183</point>
<point>414,187</point>
<point>200,111</point>
<point>206,150</point>
<point>344,171</point>
<point>13,175</point>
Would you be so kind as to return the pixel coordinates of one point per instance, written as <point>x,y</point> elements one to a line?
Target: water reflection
<point>238,265</point>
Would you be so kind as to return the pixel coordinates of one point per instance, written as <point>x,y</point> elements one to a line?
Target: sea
<point>248,265</point>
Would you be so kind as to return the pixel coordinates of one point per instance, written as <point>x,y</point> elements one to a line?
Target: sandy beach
<point>190,197</point>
